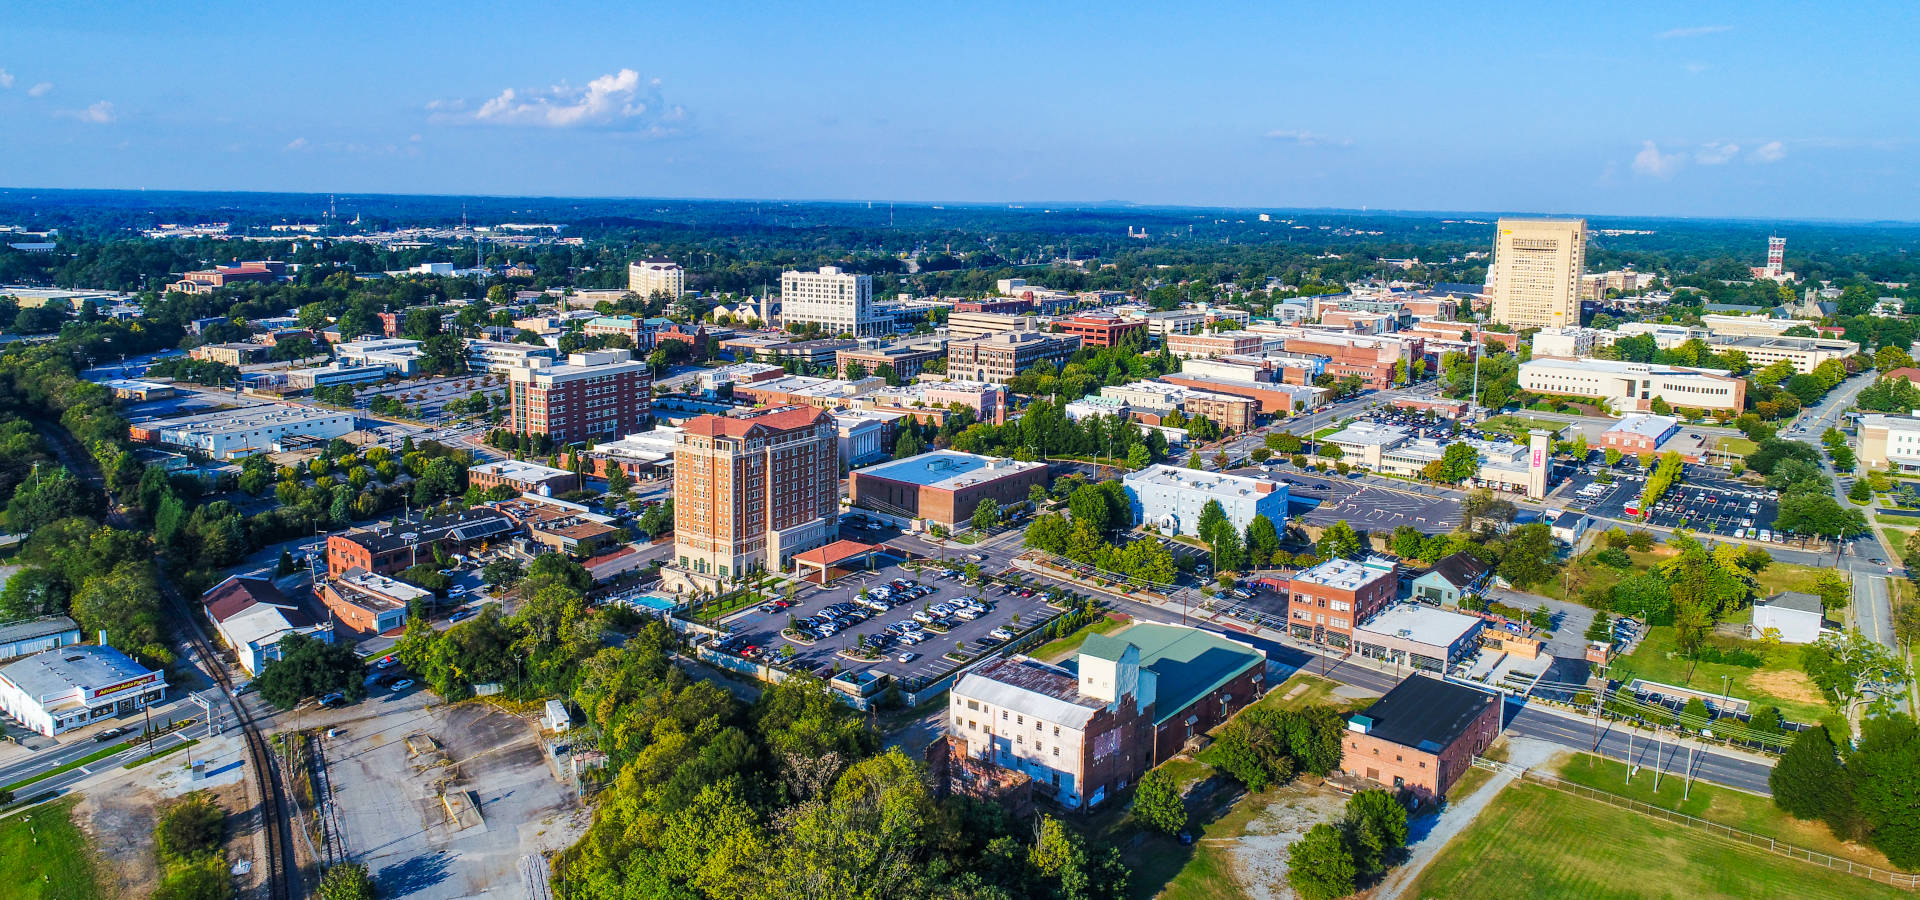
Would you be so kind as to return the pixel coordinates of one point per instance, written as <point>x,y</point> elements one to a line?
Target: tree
<point>1263,540</point>
<point>1320,865</point>
<point>1139,457</point>
<point>1213,517</point>
<point>1528,555</point>
<point>308,667</point>
<point>1339,541</point>
<point>1376,829</point>
<point>1612,457</point>
<point>190,828</point>
<point>499,573</point>
<point>1842,665</point>
<point>1884,772</point>
<point>1601,630</point>
<point>1834,590</point>
<point>618,481</point>
<point>986,515</point>
<point>1157,802</point>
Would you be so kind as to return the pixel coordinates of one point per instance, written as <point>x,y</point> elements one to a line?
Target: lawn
<point>1057,650</point>
<point>1779,576</point>
<point>1518,426</point>
<point>1534,841</point>
<point>1778,681</point>
<point>1739,809</point>
<point>37,846</point>
<point>1583,574</point>
<point>1736,446</point>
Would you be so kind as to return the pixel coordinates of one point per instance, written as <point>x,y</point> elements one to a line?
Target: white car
<point>906,657</point>
<point>1000,634</point>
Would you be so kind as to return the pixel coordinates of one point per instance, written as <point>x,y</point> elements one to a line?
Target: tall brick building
<point>599,392</point>
<point>749,493</point>
<point>1101,329</point>
<point>1331,598</point>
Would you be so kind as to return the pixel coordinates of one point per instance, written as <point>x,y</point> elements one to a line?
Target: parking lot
<point>1006,607</point>
<point>1704,502</point>
<point>1365,505</point>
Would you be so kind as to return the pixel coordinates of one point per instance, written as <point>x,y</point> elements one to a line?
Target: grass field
<point>1518,426</point>
<point>1736,446</point>
<point>1057,650</point>
<point>1788,577</point>
<point>43,856</point>
<point>1747,812</point>
<point>1534,841</point>
<point>1778,682</point>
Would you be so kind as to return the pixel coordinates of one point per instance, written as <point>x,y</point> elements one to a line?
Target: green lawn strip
<point>1057,650</point>
<point>159,753</point>
<point>728,607</point>
<point>1331,429</point>
<point>1778,681</point>
<point>66,767</point>
<point>1739,809</point>
<point>44,856</point>
<point>1535,841</point>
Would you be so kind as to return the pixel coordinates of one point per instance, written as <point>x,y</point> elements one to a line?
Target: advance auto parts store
<point>66,688</point>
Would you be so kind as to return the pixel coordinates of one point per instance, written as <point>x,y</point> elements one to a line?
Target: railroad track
<point>281,868</point>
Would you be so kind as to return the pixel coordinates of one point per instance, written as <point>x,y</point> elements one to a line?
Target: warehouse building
<point>34,635</point>
<point>1171,498</point>
<point>234,433</point>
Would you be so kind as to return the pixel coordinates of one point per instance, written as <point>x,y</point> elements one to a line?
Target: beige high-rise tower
<point>1535,279</point>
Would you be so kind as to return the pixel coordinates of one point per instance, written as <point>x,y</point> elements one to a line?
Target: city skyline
<point>1717,111</point>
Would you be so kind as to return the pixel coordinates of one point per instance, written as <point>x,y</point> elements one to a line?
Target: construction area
<point>441,802</point>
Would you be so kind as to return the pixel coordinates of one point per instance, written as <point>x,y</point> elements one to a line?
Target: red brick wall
<point>1212,709</point>
<point>1428,775</point>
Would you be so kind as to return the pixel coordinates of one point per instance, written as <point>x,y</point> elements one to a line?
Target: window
<point>1019,720</point>
<point>1003,715</point>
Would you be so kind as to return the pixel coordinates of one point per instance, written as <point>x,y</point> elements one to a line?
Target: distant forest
<point>741,246</point>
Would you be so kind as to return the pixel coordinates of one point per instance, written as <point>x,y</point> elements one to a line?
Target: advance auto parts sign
<point>148,678</point>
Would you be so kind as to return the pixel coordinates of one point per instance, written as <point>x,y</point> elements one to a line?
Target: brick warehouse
<point>1420,737</point>
<point>943,486</point>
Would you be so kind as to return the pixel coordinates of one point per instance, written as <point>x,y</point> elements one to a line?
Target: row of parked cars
<point>839,616</point>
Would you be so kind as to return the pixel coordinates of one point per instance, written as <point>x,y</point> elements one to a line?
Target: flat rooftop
<point>518,470</point>
<point>1197,480</point>
<point>1347,574</point>
<point>1369,434</point>
<point>1643,425</point>
<point>1424,713</point>
<point>948,469</point>
<point>59,671</point>
<point>1616,367</point>
<point>1424,624</point>
<point>251,417</point>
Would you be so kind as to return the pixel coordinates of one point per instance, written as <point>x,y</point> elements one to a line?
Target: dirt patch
<point>1258,857</point>
<point>120,822</point>
<point>1786,684</point>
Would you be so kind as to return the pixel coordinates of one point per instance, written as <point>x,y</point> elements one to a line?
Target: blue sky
<point>1702,109</point>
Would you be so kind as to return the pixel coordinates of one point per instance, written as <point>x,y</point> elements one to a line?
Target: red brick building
<point>596,393</point>
<point>390,549</point>
<point>206,281</point>
<point>1005,305</point>
<point>1000,356</point>
<point>1372,358</point>
<point>749,493</point>
<point>943,486</point>
<point>1421,737</point>
<point>1101,329</point>
<point>1331,598</point>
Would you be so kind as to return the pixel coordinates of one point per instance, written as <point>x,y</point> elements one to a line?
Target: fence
<point>1775,846</point>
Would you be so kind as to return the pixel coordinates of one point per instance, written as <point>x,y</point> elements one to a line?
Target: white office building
<point>398,355</point>
<point>839,302</point>
<point>233,433</point>
<point>503,357</point>
<point>1172,498</point>
<point>1632,387</point>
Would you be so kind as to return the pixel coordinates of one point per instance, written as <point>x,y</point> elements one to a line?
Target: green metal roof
<point>1189,663</point>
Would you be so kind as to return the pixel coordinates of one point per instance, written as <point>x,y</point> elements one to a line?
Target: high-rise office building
<point>1535,278</point>
<point>839,302</point>
<point>656,275</point>
<point>749,493</point>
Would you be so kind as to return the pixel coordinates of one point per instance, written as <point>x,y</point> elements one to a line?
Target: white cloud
<point>99,114</point>
<point>298,143</point>
<point>1650,161</point>
<point>1695,68</point>
<point>618,100</point>
<point>1307,138</point>
<point>1769,152</point>
<point>1693,32</point>
<point>6,79</point>
<point>1715,153</point>
<point>40,90</point>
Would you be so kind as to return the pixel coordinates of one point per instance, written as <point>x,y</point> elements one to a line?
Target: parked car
<point>461,615</point>
<point>333,700</point>
<point>1000,634</point>
<point>115,732</point>
<point>907,657</point>
<point>402,685</point>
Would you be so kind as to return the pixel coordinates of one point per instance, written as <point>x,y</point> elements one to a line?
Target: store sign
<point>148,678</point>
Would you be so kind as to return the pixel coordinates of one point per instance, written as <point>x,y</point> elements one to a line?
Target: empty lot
<point>389,775</point>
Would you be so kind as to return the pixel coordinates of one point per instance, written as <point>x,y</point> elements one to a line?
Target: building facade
<point>1172,498</point>
<point>749,493</point>
<point>1535,276</point>
<point>1420,737</point>
<point>656,275</point>
<point>59,690</point>
<point>1327,601</point>
<point>999,357</point>
<point>1632,387</point>
<point>943,486</point>
<point>596,393</point>
<point>1101,329</point>
<point>839,302</point>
